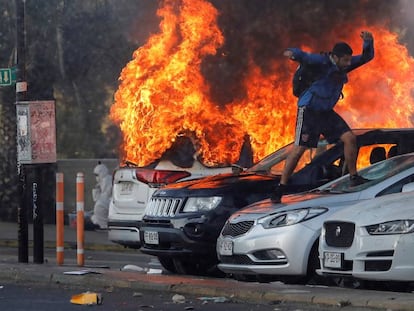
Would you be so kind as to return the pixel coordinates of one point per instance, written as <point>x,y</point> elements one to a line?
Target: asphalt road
<point>130,279</point>
<point>35,297</point>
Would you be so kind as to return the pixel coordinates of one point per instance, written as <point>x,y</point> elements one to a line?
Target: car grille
<point>237,229</point>
<point>237,260</point>
<point>165,207</point>
<point>339,234</point>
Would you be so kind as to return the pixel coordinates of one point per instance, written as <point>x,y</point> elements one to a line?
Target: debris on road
<point>87,298</point>
<point>213,299</point>
<point>133,268</point>
<point>178,298</point>
<point>81,272</point>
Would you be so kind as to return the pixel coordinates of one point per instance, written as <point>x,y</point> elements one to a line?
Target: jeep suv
<point>183,220</point>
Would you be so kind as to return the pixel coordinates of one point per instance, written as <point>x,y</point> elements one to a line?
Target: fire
<point>163,93</point>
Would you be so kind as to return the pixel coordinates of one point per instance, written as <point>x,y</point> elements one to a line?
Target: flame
<point>163,94</point>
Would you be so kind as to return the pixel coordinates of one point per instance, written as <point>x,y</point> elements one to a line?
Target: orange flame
<point>163,93</point>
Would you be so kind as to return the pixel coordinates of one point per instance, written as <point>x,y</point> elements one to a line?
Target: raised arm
<point>367,51</point>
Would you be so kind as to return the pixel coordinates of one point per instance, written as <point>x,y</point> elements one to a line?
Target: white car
<point>268,239</point>
<point>372,240</point>
<point>133,187</point>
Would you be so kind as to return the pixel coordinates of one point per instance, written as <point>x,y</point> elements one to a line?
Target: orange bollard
<point>80,227</point>
<point>60,220</point>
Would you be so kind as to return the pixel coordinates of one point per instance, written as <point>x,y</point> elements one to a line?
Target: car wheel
<point>167,264</point>
<point>314,264</point>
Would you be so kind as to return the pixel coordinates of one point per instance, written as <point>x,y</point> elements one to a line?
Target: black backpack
<point>304,76</point>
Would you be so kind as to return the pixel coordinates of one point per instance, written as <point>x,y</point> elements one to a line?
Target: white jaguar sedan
<point>281,239</point>
<point>373,240</point>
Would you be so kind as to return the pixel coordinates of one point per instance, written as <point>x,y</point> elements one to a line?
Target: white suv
<point>133,187</point>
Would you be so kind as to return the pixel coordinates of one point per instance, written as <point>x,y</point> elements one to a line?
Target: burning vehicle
<point>197,75</point>
<point>133,186</point>
<point>183,220</point>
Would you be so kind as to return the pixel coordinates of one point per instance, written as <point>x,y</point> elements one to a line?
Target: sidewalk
<point>102,279</point>
<point>95,240</point>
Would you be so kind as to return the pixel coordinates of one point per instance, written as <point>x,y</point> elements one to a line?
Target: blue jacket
<point>325,92</point>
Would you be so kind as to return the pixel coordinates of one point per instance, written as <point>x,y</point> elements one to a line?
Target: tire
<point>167,264</point>
<point>313,263</point>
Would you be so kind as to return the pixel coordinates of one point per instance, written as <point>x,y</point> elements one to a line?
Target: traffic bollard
<point>80,226</point>
<point>60,220</point>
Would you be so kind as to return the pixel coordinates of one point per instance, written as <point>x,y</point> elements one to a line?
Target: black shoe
<point>277,194</point>
<point>357,180</point>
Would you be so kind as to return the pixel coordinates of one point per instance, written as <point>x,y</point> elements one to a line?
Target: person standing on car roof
<point>315,114</point>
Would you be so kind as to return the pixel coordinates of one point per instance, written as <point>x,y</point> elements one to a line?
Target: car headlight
<point>290,217</point>
<point>392,227</point>
<point>201,204</point>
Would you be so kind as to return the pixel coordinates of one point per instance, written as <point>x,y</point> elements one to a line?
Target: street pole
<point>21,94</point>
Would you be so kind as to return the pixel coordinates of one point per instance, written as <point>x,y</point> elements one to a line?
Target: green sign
<point>7,76</point>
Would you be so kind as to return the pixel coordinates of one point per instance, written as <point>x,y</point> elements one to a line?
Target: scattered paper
<point>81,272</point>
<point>154,271</point>
<point>213,299</point>
<point>132,268</point>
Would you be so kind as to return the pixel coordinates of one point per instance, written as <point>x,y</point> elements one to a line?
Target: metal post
<point>37,206</point>
<point>21,93</point>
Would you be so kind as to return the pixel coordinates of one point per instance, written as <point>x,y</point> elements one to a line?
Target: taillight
<point>162,177</point>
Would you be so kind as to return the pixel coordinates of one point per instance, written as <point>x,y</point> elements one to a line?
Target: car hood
<point>396,206</point>
<point>295,201</point>
<point>221,181</point>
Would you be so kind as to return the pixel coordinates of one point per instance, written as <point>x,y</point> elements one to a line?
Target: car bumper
<point>279,251</point>
<point>124,233</point>
<point>374,257</point>
<point>181,237</point>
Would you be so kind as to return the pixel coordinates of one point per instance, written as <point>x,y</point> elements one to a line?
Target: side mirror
<point>236,169</point>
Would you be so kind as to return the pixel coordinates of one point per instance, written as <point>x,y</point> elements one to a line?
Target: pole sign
<point>36,132</point>
<point>7,76</point>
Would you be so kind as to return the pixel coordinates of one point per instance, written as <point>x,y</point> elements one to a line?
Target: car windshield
<point>376,173</point>
<point>275,162</point>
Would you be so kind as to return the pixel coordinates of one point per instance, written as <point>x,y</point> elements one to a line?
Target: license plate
<point>226,248</point>
<point>151,237</point>
<point>126,188</point>
<point>332,260</point>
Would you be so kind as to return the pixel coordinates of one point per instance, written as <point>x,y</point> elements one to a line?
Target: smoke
<point>260,30</point>
<point>405,16</point>
<point>406,8</point>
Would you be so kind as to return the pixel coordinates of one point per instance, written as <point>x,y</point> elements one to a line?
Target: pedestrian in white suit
<point>101,195</point>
